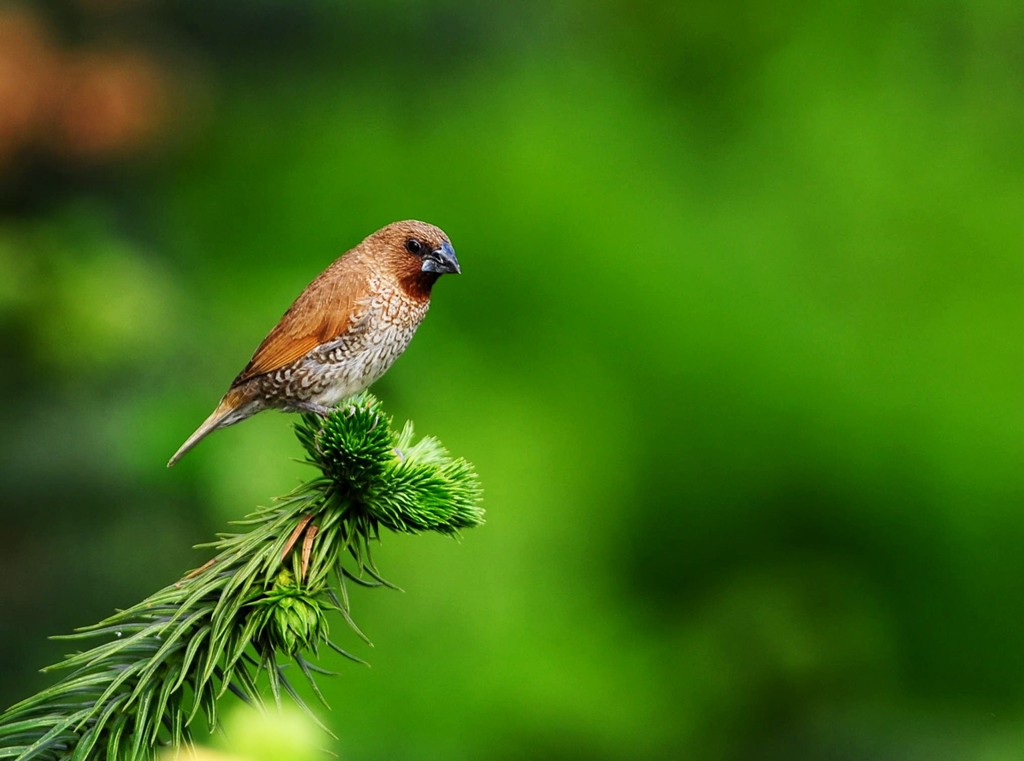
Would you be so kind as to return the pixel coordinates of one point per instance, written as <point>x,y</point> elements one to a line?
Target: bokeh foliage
<point>735,352</point>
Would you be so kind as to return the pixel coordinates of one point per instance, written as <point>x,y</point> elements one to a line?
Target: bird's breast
<point>350,363</point>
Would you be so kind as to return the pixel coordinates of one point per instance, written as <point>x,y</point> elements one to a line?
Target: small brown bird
<point>344,331</point>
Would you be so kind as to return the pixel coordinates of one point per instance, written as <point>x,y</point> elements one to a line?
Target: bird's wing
<point>330,306</point>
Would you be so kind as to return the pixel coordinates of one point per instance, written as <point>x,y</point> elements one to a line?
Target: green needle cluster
<point>259,603</point>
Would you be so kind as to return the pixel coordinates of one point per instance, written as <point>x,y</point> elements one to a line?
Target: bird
<point>343,331</point>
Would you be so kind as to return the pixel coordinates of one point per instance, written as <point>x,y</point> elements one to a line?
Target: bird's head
<point>416,253</point>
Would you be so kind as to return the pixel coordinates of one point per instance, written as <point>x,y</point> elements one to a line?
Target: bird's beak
<point>441,260</point>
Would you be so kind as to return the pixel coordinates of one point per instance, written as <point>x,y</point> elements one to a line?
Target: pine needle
<point>262,599</point>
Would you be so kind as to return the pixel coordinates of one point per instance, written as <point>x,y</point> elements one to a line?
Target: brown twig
<point>295,536</point>
<point>307,548</point>
<point>196,572</point>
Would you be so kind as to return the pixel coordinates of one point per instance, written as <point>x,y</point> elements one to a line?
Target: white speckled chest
<point>379,331</point>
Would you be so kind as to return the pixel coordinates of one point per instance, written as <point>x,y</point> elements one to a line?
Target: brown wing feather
<point>321,313</point>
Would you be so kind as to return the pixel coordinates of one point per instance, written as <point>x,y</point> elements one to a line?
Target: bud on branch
<point>263,598</point>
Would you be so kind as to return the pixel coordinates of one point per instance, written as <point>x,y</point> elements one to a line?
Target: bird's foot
<point>316,409</point>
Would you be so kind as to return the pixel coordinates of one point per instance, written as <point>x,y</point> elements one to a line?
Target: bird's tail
<point>228,412</point>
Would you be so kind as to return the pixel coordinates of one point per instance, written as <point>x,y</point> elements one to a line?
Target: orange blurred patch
<point>113,103</point>
<point>29,64</point>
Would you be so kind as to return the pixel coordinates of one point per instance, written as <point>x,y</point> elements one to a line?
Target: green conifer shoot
<point>262,600</point>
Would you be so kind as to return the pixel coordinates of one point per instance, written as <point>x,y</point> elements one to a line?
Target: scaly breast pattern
<point>379,331</point>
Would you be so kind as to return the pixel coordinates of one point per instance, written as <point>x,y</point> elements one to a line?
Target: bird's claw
<point>316,409</point>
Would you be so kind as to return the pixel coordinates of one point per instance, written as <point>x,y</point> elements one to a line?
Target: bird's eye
<point>413,246</point>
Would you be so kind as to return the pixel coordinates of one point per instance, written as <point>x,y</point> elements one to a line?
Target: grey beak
<point>441,260</point>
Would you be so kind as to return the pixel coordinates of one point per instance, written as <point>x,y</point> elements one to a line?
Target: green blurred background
<point>736,352</point>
